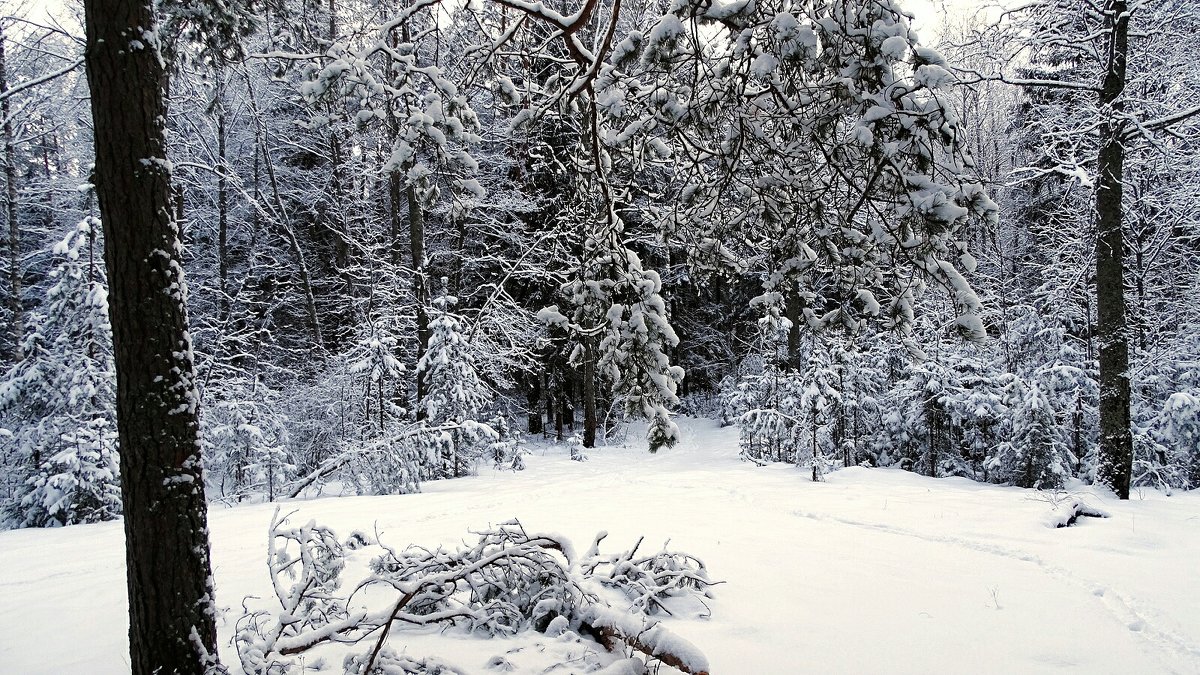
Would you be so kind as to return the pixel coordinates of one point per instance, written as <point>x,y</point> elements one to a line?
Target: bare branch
<point>38,81</point>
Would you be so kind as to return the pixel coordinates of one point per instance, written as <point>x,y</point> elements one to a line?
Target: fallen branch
<point>510,581</point>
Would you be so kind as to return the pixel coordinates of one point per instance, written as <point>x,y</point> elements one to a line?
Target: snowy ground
<point>871,571</point>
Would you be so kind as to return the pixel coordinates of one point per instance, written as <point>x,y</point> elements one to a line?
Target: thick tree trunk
<point>171,611</point>
<point>1116,441</point>
<point>16,307</point>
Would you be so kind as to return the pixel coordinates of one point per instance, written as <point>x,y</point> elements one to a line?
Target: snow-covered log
<point>1065,513</point>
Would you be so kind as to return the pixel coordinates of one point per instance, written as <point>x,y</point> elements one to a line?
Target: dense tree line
<point>416,233</point>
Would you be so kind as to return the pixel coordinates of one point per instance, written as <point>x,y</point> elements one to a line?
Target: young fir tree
<point>821,409</point>
<point>60,397</point>
<point>455,395</point>
<point>863,385</point>
<point>370,413</point>
<point>768,396</point>
<point>1167,455</point>
<point>1036,456</point>
<point>978,410</point>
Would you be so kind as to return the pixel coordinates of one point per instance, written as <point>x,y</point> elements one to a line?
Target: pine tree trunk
<point>222,201</point>
<point>16,307</point>
<point>395,182</point>
<point>1116,441</point>
<point>550,398</point>
<point>533,398</point>
<point>394,220</point>
<point>792,309</point>
<point>589,393</point>
<point>171,611</point>
<point>416,245</point>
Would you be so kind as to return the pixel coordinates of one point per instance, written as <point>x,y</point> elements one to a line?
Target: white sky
<point>928,14</point>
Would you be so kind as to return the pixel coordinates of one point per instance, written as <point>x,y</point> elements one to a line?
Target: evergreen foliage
<point>456,396</point>
<point>58,401</point>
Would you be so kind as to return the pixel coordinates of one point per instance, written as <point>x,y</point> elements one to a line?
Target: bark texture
<point>171,613</point>
<point>420,285</point>
<point>1116,441</point>
<point>16,307</point>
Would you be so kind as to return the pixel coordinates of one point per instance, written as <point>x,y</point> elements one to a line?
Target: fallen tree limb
<point>509,582</point>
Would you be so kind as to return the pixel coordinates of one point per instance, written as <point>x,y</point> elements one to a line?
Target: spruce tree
<point>455,394</point>
<point>60,398</point>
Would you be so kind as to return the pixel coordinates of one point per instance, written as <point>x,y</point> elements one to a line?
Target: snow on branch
<point>351,453</point>
<point>38,81</point>
<point>510,581</point>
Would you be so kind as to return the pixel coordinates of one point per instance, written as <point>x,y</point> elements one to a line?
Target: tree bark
<point>416,244</point>
<point>222,200</point>
<point>16,307</point>
<point>589,392</point>
<point>171,610</point>
<point>395,222</point>
<point>533,398</point>
<point>793,307</point>
<point>1116,441</point>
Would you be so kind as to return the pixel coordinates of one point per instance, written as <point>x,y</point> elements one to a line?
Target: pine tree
<point>1167,455</point>
<point>768,395</point>
<point>821,409</point>
<point>172,613</point>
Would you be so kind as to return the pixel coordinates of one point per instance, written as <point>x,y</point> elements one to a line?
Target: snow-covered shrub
<point>918,432</point>
<point>374,364</point>
<point>769,429</point>
<point>863,383</point>
<point>615,313</point>
<point>1167,454</point>
<point>245,440</point>
<point>350,422</point>
<point>977,412</point>
<point>821,410</point>
<point>390,662</point>
<point>767,397</point>
<point>633,353</point>
<point>1043,352</point>
<point>79,483</point>
<point>506,451</point>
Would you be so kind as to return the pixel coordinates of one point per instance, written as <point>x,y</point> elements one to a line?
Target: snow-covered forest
<point>413,247</point>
